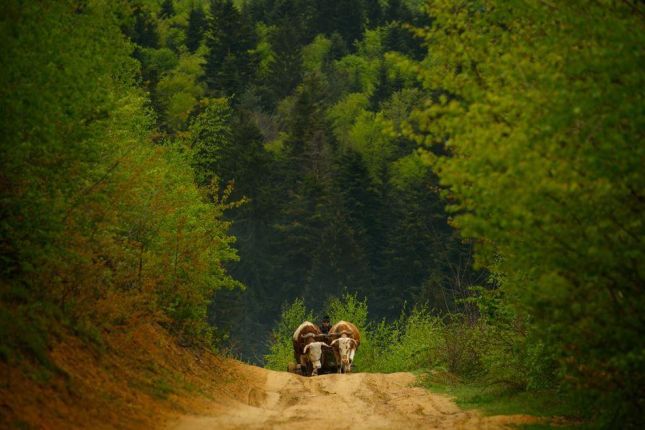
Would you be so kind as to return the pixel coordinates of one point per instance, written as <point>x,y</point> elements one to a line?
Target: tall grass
<point>490,348</point>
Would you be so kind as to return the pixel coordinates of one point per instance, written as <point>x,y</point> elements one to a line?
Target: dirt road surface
<point>284,401</point>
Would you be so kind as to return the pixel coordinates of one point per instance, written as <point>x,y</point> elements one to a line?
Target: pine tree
<point>144,32</point>
<point>229,64</point>
<point>167,9</point>
<point>373,13</point>
<point>211,139</point>
<point>350,16</point>
<point>286,69</point>
<point>196,27</point>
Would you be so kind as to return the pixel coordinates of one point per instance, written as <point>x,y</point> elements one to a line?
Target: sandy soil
<point>143,380</point>
<point>280,400</point>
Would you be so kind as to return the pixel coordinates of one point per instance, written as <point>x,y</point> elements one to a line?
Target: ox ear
<point>354,342</point>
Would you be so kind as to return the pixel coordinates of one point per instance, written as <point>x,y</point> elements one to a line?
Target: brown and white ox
<point>307,351</point>
<point>346,342</point>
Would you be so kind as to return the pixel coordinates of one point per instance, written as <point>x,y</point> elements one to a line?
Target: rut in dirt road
<point>354,401</point>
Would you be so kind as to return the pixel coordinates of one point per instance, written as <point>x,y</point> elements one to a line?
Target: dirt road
<point>280,400</point>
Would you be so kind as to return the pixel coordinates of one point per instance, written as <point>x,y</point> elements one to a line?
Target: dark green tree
<point>144,30</point>
<point>229,64</point>
<point>286,69</point>
<point>373,13</point>
<point>196,27</point>
<point>167,9</point>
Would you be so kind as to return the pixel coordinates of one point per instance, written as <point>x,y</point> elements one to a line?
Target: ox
<point>348,338</point>
<point>306,350</point>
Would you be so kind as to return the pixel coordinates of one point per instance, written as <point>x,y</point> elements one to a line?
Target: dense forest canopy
<point>295,103</point>
<point>290,106</point>
<point>470,170</point>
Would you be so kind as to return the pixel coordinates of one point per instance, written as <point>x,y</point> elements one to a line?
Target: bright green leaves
<point>343,114</point>
<point>211,135</point>
<point>98,222</point>
<point>542,117</point>
<point>409,171</point>
<point>281,352</point>
<point>180,90</point>
<point>315,54</point>
<point>367,137</point>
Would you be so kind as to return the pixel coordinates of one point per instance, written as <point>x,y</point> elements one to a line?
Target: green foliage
<point>196,28</point>
<point>315,54</point>
<point>310,135</point>
<point>495,399</point>
<point>416,341</point>
<point>179,90</point>
<point>100,227</point>
<point>264,50</point>
<point>230,40</point>
<point>410,344</point>
<point>211,136</point>
<point>360,72</point>
<point>348,308</point>
<point>530,118</point>
<point>281,349</point>
<point>157,61</point>
<point>408,171</point>
<point>341,205</point>
<point>541,117</point>
<point>367,137</point>
<point>343,114</point>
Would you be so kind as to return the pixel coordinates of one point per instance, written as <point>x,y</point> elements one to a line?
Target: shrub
<point>281,345</point>
<point>413,342</point>
<point>98,221</point>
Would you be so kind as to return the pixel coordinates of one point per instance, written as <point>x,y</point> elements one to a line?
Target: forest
<point>462,178</point>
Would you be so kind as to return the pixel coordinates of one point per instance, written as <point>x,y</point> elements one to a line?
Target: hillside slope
<point>142,379</point>
<point>135,379</point>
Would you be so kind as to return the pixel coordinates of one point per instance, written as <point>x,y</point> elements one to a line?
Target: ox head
<point>346,349</point>
<point>314,354</point>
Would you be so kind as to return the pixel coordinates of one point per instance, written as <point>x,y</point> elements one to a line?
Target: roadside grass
<point>501,399</point>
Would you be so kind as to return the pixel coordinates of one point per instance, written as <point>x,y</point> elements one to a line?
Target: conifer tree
<point>167,9</point>
<point>144,32</point>
<point>373,13</point>
<point>196,27</point>
<point>229,63</point>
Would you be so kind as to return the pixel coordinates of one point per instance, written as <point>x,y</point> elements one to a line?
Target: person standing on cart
<point>326,325</point>
<point>328,359</point>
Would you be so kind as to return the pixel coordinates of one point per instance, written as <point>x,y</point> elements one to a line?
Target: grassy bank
<point>555,408</point>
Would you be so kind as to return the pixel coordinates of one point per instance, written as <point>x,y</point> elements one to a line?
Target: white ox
<point>345,345</point>
<point>306,350</point>
<point>346,350</point>
<point>313,352</point>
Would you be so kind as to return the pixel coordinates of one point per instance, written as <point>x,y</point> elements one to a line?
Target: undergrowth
<point>487,360</point>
